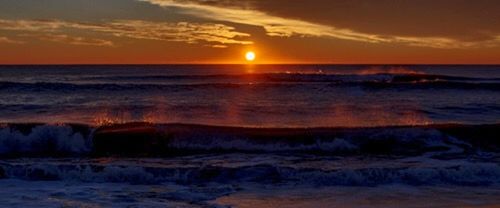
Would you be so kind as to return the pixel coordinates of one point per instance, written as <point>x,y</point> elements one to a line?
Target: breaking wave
<point>163,140</point>
<point>36,140</point>
<point>141,153</point>
<point>460,172</point>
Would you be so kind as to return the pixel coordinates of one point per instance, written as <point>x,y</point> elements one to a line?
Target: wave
<point>267,81</point>
<point>272,170</point>
<point>25,140</point>
<point>298,77</point>
<point>164,140</point>
<point>429,85</point>
<point>71,87</point>
<point>141,153</point>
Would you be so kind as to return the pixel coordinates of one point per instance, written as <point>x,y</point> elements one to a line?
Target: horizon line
<point>249,64</point>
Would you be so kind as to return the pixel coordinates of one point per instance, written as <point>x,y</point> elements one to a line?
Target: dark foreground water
<point>250,136</point>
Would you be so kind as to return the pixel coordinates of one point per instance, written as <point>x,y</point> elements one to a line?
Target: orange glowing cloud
<point>72,40</point>
<point>286,27</point>
<point>215,35</point>
<point>10,41</point>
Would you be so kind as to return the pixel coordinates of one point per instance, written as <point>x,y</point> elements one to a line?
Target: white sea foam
<point>43,139</point>
<point>260,168</point>
<point>66,140</point>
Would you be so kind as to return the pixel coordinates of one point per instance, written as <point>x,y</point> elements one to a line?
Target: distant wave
<point>429,85</point>
<point>59,86</point>
<point>377,81</point>
<point>297,77</point>
<point>163,140</point>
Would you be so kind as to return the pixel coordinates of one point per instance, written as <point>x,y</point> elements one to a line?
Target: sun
<point>250,56</point>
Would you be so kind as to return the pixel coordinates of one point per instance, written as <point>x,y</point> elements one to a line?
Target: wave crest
<point>43,140</point>
<point>282,170</point>
<point>163,140</point>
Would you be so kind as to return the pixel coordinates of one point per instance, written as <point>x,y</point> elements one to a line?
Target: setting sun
<point>250,56</point>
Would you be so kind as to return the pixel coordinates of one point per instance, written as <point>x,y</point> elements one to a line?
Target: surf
<point>164,140</point>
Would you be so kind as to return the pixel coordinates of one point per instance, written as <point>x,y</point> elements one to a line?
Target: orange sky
<point>221,31</point>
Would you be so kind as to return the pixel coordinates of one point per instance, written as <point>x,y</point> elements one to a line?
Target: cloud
<point>275,26</point>
<point>458,19</point>
<point>287,27</point>
<point>178,32</point>
<point>72,40</point>
<point>31,25</point>
<point>216,35</point>
<point>10,41</point>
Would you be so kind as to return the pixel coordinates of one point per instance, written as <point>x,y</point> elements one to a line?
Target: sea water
<point>249,135</point>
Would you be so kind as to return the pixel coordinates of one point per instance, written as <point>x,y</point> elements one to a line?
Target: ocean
<point>250,135</point>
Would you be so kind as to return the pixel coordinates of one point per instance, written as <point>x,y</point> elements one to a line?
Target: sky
<point>222,31</point>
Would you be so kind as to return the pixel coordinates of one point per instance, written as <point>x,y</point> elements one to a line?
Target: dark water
<point>250,136</point>
<point>240,95</point>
